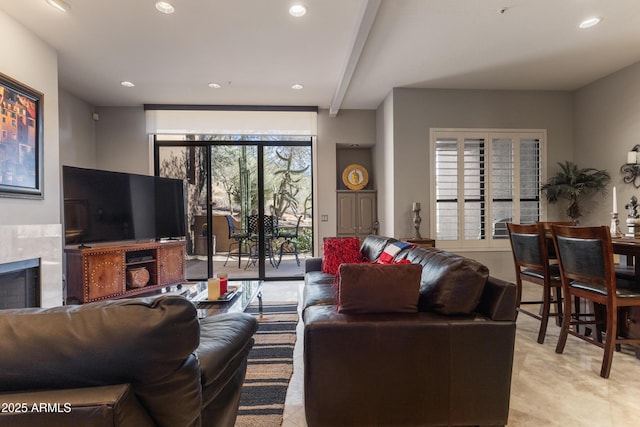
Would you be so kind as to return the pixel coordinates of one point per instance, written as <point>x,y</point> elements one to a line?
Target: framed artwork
<point>21,131</point>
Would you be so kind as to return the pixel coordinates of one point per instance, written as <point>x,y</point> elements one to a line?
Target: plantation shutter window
<point>447,189</point>
<point>481,181</point>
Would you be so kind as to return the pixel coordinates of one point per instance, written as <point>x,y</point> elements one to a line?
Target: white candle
<point>615,201</point>
<point>416,206</point>
<point>213,288</point>
<point>632,157</point>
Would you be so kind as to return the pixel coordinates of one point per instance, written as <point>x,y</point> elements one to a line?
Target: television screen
<point>102,206</point>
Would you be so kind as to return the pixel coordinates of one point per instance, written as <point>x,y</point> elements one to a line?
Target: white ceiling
<point>256,50</point>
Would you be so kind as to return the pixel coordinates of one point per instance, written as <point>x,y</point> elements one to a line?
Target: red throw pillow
<point>340,250</point>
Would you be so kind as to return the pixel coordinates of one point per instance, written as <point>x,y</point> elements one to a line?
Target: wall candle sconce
<point>631,169</point>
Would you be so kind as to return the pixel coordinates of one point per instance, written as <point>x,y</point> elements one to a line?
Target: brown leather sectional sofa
<point>128,363</point>
<point>448,364</point>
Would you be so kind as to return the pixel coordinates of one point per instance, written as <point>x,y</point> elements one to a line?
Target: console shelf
<point>100,272</point>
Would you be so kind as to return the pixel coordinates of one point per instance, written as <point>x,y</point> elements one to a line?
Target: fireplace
<point>20,284</point>
<point>41,242</point>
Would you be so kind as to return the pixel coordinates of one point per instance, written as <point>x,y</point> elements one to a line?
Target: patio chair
<point>290,243</point>
<point>269,231</point>
<point>237,238</point>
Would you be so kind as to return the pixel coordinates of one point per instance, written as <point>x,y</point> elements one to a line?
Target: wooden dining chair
<point>553,263</point>
<point>585,256</point>
<point>531,260</point>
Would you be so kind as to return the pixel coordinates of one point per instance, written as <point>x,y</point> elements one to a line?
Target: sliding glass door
<point>248,203</point>
<point>288,197</point>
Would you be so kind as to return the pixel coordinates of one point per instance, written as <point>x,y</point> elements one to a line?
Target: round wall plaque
<point>355,177</point>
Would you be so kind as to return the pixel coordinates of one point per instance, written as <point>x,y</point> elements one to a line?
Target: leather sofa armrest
<point>358,370</point>
<point>498,300</point>
<point>108,406</point>
<point>313,264</point>
<point>147,342</point>
<point>225,342</point>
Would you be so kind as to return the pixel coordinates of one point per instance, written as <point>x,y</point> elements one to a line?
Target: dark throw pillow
<point>378,288</point>
<point>451,284</point>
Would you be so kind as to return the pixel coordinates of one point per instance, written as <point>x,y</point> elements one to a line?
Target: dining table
<point>629,267</point>
<point>629,248</point>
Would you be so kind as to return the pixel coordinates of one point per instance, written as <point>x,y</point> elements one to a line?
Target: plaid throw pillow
<point>391,251</point>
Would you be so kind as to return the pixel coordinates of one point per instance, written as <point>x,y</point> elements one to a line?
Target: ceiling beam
<point>367,15</point>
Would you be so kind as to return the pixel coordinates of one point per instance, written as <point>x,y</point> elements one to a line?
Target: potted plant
<point>573,183</point>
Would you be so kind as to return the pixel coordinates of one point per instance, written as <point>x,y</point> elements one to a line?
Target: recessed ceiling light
<point>297,86</point>
<point>588,23</point>
<point>297,10</point>
<point>214,85</point>
<point>127,84</point>
<point>60,5</point>
<point>165,7</point>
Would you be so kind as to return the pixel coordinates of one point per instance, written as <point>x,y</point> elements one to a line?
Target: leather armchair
<point>130,362</point>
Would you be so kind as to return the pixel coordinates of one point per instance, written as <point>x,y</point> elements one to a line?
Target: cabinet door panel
<point>171,265</point>
<point>347,214</point>
<point>366,213</point>
<point>104,273</point>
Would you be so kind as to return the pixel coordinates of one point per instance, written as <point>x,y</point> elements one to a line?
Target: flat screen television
<point>104,206</point>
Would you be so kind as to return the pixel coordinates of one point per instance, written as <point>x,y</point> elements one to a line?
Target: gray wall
<point>33,63</point>
<point>607,126</point>
<point>383,166</point>
<point>348,127</point>
<point>116,141</point>
<point>416,111</point>
<point>77,132</point>
<point>122,144</point>
<point>402,151</point>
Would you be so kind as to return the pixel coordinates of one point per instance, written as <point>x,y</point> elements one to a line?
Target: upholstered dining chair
<point>531,260</point>
<point>553,263</point>
<point>546,227</point>
<point>585,256</point>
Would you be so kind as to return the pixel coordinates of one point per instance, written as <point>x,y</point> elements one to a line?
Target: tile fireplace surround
<point>44,241</point>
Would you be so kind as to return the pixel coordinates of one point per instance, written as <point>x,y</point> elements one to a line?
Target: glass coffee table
<point>245,293</point>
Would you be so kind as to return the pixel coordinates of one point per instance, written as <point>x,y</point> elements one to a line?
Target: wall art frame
<point>21,140</point>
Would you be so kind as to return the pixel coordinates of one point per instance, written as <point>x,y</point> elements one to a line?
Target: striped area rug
<point>270,366</point>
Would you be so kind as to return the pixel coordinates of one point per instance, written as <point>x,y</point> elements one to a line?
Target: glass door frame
<point>260,146</point>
